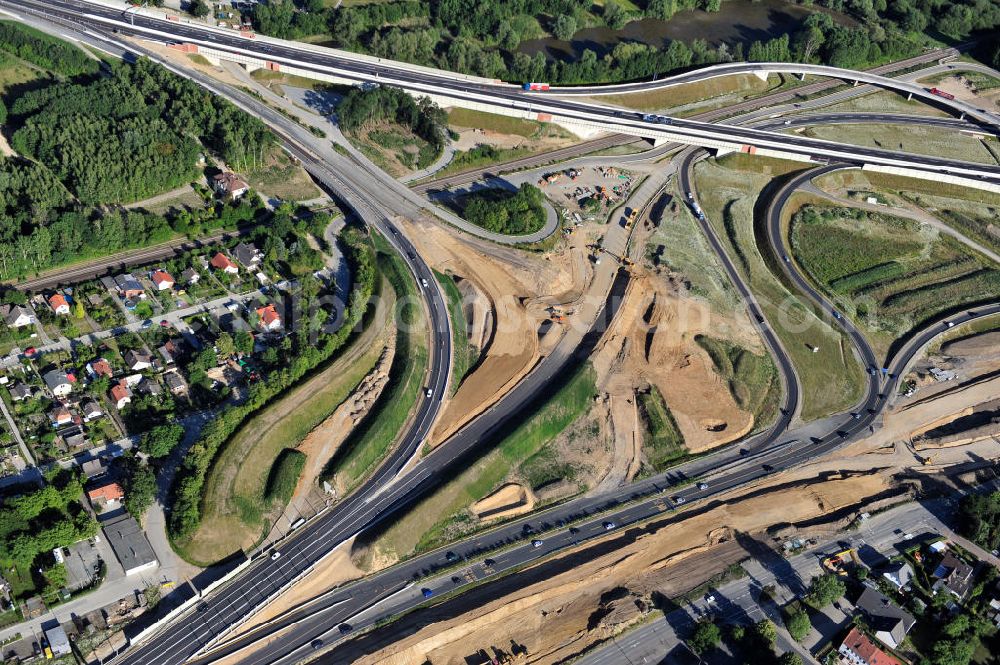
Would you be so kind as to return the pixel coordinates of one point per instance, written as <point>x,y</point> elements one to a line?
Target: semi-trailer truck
<point>536,86</point>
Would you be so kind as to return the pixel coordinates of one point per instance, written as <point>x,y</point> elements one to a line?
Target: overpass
<point>496,97</point>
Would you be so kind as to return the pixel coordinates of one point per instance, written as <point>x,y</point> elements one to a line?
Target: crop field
<point>830,377</point>
<point>889,273</point>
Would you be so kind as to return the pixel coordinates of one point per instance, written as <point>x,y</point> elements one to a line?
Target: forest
<point>482,36</point>
<point>89,142</point>
<point>501,211</point>
<point>373,105</point>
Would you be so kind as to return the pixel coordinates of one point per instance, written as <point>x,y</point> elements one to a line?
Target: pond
<point>739,21</point>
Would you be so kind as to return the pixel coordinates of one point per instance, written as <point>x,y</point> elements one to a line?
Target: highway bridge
<point>389,490</point>
<point>475,92</point>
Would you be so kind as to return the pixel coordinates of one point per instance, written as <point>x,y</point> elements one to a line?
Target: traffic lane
<point>517,98</point>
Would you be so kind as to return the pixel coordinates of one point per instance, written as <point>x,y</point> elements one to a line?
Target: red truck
<point>536,86</point>
<point>941,93</point>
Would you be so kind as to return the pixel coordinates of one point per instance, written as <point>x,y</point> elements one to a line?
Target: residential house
<point>129,287</point>
<point>899,574</point>
<point>93,468</point>
<point>857,649</point>
<point>107,495</point>
<point>248,255</point>
<point>994,612</point>
<point>190,276</point>
<point>890,623</point>
<point>59,382</point>
<point>17,316</point>
<point>229,185</point>
<point>168,351</point>
<point>60,416</point>
<point>175,383</point>
<point>162,280</point>
<point>20,392</point>
<point>132,380</point>
<point>90,410</point>
<point>136,361</point>
<point>269,318</point>
<point>150,387</point>
<point>938,547</point>
<point>75,438</point>
<point>100,368</point>
<point>120,395</point>
<point>953,575</point>
<point>222,262</point>
<point>57,302</point>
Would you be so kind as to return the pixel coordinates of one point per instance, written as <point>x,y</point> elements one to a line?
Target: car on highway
<point>608,526</point>
<point>703,486</point>
<point>275,555</point>
<point>678,500</point>
<point>429,392</point>
<point>344,628</point>
<point>784,257</point>
<point>427,593</point>
<point>451,556</point>
<point>316,644</point>
<point>536,543</point>
<point>423,282</point>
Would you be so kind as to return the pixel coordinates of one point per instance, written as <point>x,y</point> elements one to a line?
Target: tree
<point>790,658</point>
<point>198,8</point>
<point>78,310</point>
<point>706,635</point>
<point>614,15</point>
<point>825,589</point>
<point>161,440</point>
<point>765,631</point>
<point>564,27</point>
<point>243,342</point>
<point>226,345</point>
<point>798,624</point>
<point>139,485</point>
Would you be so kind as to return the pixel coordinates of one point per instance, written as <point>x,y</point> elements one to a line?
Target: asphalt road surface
<point>461,87</point>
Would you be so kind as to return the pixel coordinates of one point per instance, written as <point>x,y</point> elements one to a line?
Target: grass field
<point>284,475</point>
<point>679,245</point>
<point>662,441</point>
<point>890,274</point>
<point>831,379</point>
<point>235,505</point>
<point>282,178</point>
<point>935,141</point>
<point>16,72</point>
<point>463,353</point>
<point>493,122</point>
<point>481,156</point>
<point>369,443</point>
<point>704,95</point>
<point>444,514</point>
<point>883,101</point>
<point>752,378</point>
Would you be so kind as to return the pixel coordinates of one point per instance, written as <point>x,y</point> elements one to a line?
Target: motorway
<point>508,547</point>
<point>507,98</point>
<point>371,505</point>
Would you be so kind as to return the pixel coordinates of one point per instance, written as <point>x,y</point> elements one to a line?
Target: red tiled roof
<point>161,276</point>
<point>101,367</point>
<point>221,261</point>
<point>56,300</point>
<point>118,392</point>
<point>268,315</point>
<point>859,643</point>
<point>109,492</point>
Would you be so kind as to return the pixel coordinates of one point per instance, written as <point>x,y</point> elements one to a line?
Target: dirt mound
<point>986,344</point>
<point>562,615</point>
<point>652,342</point>
<point>508,500</point>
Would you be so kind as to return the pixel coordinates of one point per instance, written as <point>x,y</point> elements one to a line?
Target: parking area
<point>82,562</point>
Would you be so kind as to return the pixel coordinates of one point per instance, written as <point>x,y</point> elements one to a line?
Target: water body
<point>739,21</point>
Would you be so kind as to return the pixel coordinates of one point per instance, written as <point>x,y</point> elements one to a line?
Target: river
<point>739,21</point>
